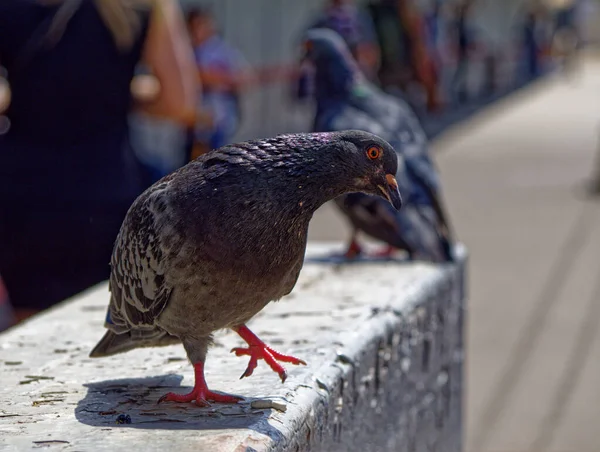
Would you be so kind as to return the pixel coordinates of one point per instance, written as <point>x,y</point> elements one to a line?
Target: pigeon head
<point>324,44</point>
<point>336,70</point>
<point>371,164</point>
<point>329,164</point>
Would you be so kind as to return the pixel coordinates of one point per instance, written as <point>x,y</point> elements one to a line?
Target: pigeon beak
<point>391,193</point>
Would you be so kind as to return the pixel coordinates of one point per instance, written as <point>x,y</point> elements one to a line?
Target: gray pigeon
<point>210,245</point>
<point>346,100</point>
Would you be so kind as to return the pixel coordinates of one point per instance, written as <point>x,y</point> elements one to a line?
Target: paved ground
<point>514,178</point>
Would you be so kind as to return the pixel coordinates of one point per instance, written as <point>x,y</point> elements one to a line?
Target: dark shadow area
<point>108,403</point>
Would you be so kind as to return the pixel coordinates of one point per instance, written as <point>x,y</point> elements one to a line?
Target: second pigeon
<point>346,100</point>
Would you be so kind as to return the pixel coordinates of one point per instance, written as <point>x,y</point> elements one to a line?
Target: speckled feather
<point>208,246</point>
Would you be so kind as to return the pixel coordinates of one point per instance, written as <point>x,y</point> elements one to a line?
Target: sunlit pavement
<point>515,178</point>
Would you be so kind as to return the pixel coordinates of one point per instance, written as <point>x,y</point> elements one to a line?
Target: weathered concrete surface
<point>515,179</point>
<point>383,342</point>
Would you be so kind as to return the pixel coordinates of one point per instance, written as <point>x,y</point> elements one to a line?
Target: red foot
<point>259,350</point>
<point>353,250</point>
<point>201,394</point>
<point>387,252</point>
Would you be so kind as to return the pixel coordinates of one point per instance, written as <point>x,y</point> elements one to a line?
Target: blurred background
<point>446,61</point>
<point>508,91</point>
<point>412,48</point>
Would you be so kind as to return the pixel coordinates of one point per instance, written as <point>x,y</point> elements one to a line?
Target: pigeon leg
<point>387,252</point>
<point>354,248</point>
<point>257,349</point>
<point>201,394</point>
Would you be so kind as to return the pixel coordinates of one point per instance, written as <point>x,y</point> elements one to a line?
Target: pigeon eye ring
<point>374,152</point>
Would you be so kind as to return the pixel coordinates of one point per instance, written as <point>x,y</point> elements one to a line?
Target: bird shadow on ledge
<point>132,403</point>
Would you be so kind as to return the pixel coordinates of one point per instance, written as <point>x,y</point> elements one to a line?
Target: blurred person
<point>67,172</point>
<point>396,73</point>
<point>530,44</point>
<point>158,142</point>
<point>566,39</point>
<point>358,31</point>
<point>433,31</point>
<point>564,47</point>
<point>440,19</point>
<point>223,73</point>
<point>585,21</point>
<point>464,43</point>
<point>421,58</point>
<point>536,39</point>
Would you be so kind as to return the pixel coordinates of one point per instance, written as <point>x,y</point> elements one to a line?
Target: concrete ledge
<point>383,342</point>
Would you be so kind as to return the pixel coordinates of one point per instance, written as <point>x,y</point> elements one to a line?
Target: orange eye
<point>374,152</point>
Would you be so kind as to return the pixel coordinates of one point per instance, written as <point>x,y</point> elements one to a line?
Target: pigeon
<point>210,245</point>
<point>346,100</point>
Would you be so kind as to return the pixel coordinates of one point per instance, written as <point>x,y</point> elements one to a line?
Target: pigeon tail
<point>112,343</point>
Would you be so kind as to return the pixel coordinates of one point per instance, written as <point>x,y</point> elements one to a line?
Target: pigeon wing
<point>139,291</point>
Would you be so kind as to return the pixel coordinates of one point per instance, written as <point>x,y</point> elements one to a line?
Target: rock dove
<point>210,245</point>
<point>346,100</point>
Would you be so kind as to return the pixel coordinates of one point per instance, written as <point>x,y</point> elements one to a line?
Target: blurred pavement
<point>515,178</point>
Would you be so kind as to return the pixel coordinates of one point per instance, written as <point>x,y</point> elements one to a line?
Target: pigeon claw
<point>257,349</point>
<point>270,356</point>
<point>200,396</point>
<point>283,376</point>
<point>353,251</point>
<point>251,364</point>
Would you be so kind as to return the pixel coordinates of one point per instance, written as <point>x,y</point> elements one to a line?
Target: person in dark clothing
<point>566,38</point>
<point>531,45</point>
<point>463,48</point>
<point>67,172</point>
<point>357,29</point>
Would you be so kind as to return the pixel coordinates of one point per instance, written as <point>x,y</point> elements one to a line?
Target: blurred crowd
<point>124,92</point>
<point>427,56</point>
